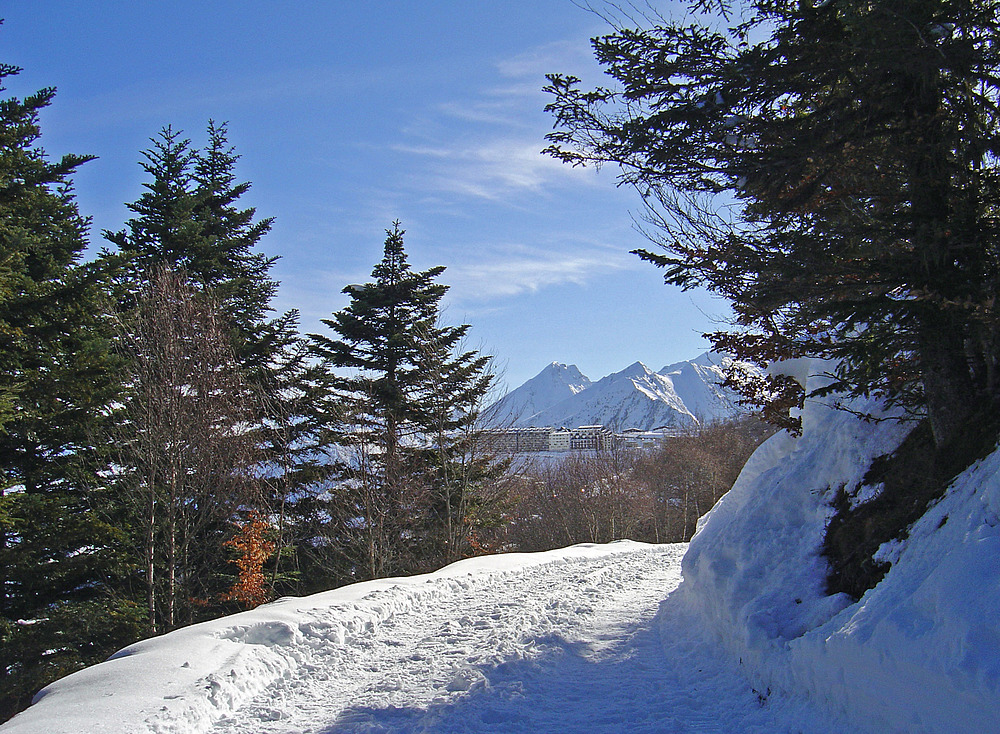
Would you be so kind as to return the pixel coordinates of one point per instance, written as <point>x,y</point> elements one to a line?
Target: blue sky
<point>349,115</point>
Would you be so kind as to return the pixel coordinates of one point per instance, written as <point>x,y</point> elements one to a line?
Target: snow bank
<point>187,680</point>
<point>921,651</point>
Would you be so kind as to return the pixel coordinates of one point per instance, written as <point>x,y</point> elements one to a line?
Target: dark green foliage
<point>238,277</point>
<point>293,438</point>
<point>404,416</point>
<point>70,637</point>
<point>58,561</point>
<point>831,169</point>
<point>188,218</point>
<point>53,361</point>
<point>382,334</point>
<point>166,229</point>
<point>60,612</point>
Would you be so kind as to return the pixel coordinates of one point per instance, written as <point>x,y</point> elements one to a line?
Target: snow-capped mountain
<point>679,395</point>
<point>555,383</point>
<point>636,397</point>
<point>698,383</point>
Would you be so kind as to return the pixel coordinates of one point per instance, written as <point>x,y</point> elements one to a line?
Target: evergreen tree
<point>58,559</point>
<point>467,487</point>
<point>292,437</point>
<point>859,143</point>
<point>165,230</point>
<point>190,221</point>
<point>398,413</point>
<point>239,277</point>
<point>272,354</point>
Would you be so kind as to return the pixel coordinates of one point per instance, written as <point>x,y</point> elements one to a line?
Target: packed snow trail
<point>600,638</point>
<point>574,645</point>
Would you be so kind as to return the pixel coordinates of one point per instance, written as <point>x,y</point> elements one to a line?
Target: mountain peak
<point>570,370</point>
<point>563,374</point>
<point>554,383</point>
<point>710,360</point>
<point>636,397</point>
<point>636,369</point>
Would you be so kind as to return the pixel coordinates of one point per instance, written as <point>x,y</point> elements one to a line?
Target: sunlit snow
<point>609,638</point>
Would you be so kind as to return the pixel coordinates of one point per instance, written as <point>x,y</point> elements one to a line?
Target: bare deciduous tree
<point>654,495</point>
<point>185,451</point>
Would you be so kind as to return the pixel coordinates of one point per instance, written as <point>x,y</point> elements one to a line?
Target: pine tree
<point>165,230</point>
<point>272,354</point>
<point>467,488</point>
<point>398,410</point>
<point>859,143</point>
<point>189,220</point>
<point>59,561</point>
<point>226,261</point>
<point>292,438</point>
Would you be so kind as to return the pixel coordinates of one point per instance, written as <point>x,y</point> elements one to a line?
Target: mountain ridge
<point>681,394</point>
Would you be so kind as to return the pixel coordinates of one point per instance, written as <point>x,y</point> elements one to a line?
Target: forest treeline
<point>653,495</point>
<point>173,449</point>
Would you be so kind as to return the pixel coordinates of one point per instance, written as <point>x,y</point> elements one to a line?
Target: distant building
<point>560,439</point>
<point>520,440</point>
<point>530,440</point>
<point>590,438</point>
<point>635,438</point>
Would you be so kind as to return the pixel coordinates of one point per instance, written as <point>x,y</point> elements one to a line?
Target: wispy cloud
<point>488,146</point>
<point>521,270</point>
<point>483,286</point>
<point>497,169</point>
<point>558,56</point>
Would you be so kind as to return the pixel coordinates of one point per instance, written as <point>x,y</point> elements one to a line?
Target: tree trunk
<point>948,389</point>
<point>172,550</point>
<point>150,553</point>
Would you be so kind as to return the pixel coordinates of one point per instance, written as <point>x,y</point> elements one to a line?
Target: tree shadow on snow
<point>634,684</point>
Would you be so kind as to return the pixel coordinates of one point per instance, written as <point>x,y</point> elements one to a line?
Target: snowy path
<point>573,645</point>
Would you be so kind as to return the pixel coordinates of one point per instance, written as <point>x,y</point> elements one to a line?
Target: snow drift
<point>918,653</point>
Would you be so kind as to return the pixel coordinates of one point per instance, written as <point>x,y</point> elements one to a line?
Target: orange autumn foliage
<point>250,588</point>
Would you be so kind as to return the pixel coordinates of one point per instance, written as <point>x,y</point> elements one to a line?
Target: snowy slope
<point>698,384</point>
<point>918,653</point>
<point>602,638</point>
<point>552,385</point>
<point>680,394</point>
<point>636,397</point>
<point>570,641</point>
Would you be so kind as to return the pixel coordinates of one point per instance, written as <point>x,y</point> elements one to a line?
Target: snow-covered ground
<point>918,653</point>
<point>567,641</point>
<point>608,638</point>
